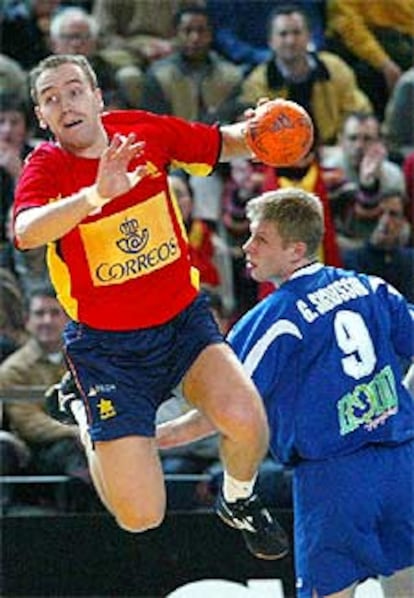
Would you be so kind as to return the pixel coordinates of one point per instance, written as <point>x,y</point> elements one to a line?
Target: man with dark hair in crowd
<point>39,362</point>
<point>385,253</point>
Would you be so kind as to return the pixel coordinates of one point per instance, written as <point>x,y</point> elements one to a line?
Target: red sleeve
<point>41,178</point>
<point>192,146</point>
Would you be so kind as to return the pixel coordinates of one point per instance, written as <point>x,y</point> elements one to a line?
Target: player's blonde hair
<point>297,213</point>
<point>53,62</point>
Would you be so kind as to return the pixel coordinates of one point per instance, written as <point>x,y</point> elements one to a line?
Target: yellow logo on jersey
<point>148,243</point>
<point>106,409</point>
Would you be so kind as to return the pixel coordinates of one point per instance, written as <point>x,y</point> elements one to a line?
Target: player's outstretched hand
<point>113,178</point>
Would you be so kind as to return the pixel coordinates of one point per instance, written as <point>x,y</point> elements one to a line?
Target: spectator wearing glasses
<point>363,173</point>
<point>385,253</point>
<point>74,31</point>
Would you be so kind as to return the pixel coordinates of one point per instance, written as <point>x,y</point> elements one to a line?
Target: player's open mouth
<point>72,124</point>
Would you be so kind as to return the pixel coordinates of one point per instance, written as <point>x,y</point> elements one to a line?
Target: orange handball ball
<point>280,133</point>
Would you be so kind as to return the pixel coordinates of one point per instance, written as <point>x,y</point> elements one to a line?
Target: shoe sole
<point>259,555</point>
<point>267,557</point>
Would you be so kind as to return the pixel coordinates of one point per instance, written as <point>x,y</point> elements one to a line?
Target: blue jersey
<point>325,351</point>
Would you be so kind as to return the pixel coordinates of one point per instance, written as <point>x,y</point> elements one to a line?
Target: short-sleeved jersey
<point>126,266</point>
<point>325,351</point>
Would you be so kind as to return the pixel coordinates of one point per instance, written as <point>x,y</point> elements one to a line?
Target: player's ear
<point>299,249</point>
<point>42,123</point>
<point>99,99</point>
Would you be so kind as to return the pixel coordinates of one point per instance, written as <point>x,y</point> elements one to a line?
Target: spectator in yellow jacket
<point>376,38</point>
<point>321,82</point>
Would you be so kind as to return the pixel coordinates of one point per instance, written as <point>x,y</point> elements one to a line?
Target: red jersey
<point>127,266</point>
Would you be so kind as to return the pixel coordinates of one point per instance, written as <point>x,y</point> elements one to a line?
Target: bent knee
<point>248,426</point>
<point>139,521</point>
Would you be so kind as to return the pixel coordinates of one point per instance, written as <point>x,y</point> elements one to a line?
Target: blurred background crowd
<point>350,63</point>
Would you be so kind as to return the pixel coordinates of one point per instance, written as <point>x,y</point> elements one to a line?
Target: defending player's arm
<point>186,428</point>
<point>40,225</point>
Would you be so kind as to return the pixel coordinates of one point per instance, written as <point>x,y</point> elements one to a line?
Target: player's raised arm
<point>277,132</point>
<point>40,225</point>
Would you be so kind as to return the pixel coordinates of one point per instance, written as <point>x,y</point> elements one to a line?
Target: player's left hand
<point>113,178</point>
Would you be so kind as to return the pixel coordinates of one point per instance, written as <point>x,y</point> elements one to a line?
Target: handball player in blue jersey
<point>328,351</point>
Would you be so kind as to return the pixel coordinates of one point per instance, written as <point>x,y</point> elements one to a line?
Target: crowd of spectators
<point>348,62</point>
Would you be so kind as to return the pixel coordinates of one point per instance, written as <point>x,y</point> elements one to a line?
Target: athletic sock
<point>234,489</point>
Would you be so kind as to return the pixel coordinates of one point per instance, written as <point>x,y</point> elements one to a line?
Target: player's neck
<point>296,70</point>
<point>92,150</point>
<point>299,266</point>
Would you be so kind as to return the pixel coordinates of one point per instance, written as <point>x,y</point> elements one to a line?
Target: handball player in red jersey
<point>97,196</point>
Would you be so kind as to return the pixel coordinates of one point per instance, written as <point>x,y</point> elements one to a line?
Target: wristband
<point>93,197</point>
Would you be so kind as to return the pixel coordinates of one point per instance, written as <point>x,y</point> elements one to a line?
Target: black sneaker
<point>58,398</point>
<point>263,535</point>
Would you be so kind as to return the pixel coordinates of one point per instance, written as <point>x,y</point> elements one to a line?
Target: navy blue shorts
<point>125,376</point>
<point>354,518</point>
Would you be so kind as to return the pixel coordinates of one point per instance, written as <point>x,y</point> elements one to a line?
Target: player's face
<point>267,255</point>
<point>69,107</point>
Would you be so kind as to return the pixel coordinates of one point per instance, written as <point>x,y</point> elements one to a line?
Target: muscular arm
<point>186,428</point>
<point>234,136</point>
<point>37,226</point>
<point>234,143</point>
